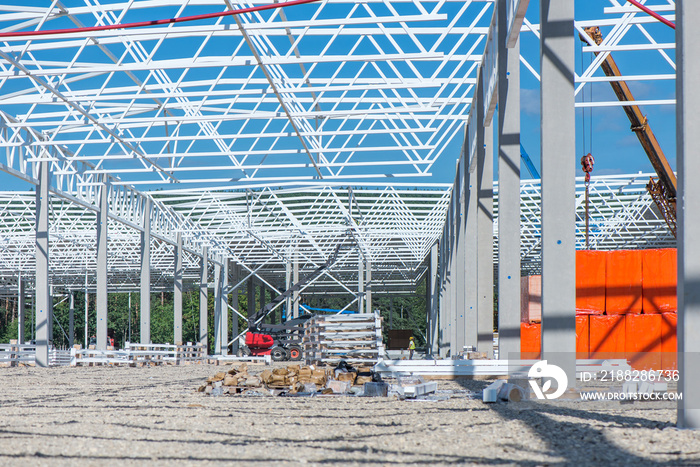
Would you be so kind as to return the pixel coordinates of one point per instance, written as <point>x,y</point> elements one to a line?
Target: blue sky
<point>604,131</point>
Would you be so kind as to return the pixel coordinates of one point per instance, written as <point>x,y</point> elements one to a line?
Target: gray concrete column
<point>443,333</point>
<point>204,298</point>
<point>687,142</point>
<point>218,337</point>
<point>177,291</point>
<point>42,266</point>
<point>470,250</point>
<point>251,296</point>
<point>508,191</point>
<point>224,306</point>
<point>71,320</point>
<point>20,309</point>
<point>287,285</point>
<point>51,315</point>
<point>235,277</point>
<point>146,273</point>
<point>433,286</point>
<point>360,283</point>
<point>484,223</point>
<point>101,273</point>
<point>295,279</point>
<point>558,185</point>
<point>87,321</point>
<point>459,229</point>
<point>450,317</point>
<point>368,287</point>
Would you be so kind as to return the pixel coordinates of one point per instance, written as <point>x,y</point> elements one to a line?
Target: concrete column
<point>287,285</point>
<point>101,273</point>
<point>51,315</point>
<point>459,228</point>
<point>558,187</point>
<point>251,296</point>
<point>508,192</point>
<point>42,266</point>
<point>433,290</point>
<point>485,245</point>
<point>235,277</point>
<point>443,333</point>
<point>360,283</point>
<point>295,279</point>
<point>450,336</point>
<point>87,321</point>
<point>177,292</point>
<point>261,291</point>
<point>224,306</point>
<point>204,298</point>
<point>20,309</point>
<point>217,310</point>
<point>146,274</point>
<point>687,142</point>
<point>71,320</point>
<point>471,254</point>
<point>368,287</point>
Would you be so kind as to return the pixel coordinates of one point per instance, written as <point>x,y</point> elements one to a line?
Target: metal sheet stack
<point>355,338</point>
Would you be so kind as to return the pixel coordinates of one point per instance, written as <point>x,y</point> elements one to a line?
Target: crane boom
<point>662,191</point>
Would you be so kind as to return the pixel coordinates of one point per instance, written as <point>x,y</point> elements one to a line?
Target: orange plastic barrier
<point>583,344</point>
<point>623,282</point>
<point>607,336</point>
<point>530,340</point>
<point>669,345</point>
<point>659,279</point>
<point>643,341</point>
<point>590,282</point>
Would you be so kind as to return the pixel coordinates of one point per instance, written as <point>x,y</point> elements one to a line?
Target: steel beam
<point>204,298</point>
<point>295,279</point>
<point>558,136</point>
<point>687,142</point>
<point>508,190</point>
<point>360,283</point>
<point>177,291</point>
<point>101,273</point>
<point>224,305</point>
<point>42,266</point>
<point>146,273</point>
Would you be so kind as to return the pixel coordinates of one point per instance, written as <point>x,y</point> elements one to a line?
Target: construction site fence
<point>25,354</point>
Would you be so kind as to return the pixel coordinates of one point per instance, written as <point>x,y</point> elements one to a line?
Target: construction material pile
<point>355,338</point>
<point>293,379</point>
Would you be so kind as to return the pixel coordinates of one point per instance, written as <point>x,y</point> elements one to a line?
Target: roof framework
<point>246,132</point>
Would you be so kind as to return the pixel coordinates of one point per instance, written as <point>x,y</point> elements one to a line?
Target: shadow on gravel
<point>577,441</point>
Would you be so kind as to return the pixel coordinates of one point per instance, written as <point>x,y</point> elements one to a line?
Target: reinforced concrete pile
<point>293,379</point>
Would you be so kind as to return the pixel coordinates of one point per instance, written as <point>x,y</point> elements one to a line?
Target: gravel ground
<point>121,416</point>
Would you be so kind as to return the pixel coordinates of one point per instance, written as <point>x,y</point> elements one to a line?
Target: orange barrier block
<point>530,340</point>
<point>669,345</point>
<point>590,282</point>
<point>659,280</point>
<point>607,336</point>
<point>531,299</point>
<point>643,341</point>
<point>623,282</point>
<point>583,344</point>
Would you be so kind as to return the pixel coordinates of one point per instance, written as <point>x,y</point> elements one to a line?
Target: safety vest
<point>412,345</point>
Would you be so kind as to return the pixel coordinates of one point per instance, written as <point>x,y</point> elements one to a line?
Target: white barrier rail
<point>25,354</point>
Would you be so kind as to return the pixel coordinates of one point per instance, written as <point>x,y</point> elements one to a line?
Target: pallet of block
<point>355,338</point>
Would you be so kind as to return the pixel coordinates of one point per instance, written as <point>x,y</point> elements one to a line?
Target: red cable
<point>652,13</point>
<point>141,24</point>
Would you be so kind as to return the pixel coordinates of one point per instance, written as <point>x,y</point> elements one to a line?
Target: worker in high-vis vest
<point>411,347</point>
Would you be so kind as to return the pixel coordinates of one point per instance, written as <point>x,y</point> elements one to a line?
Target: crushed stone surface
<point>131,416</point>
